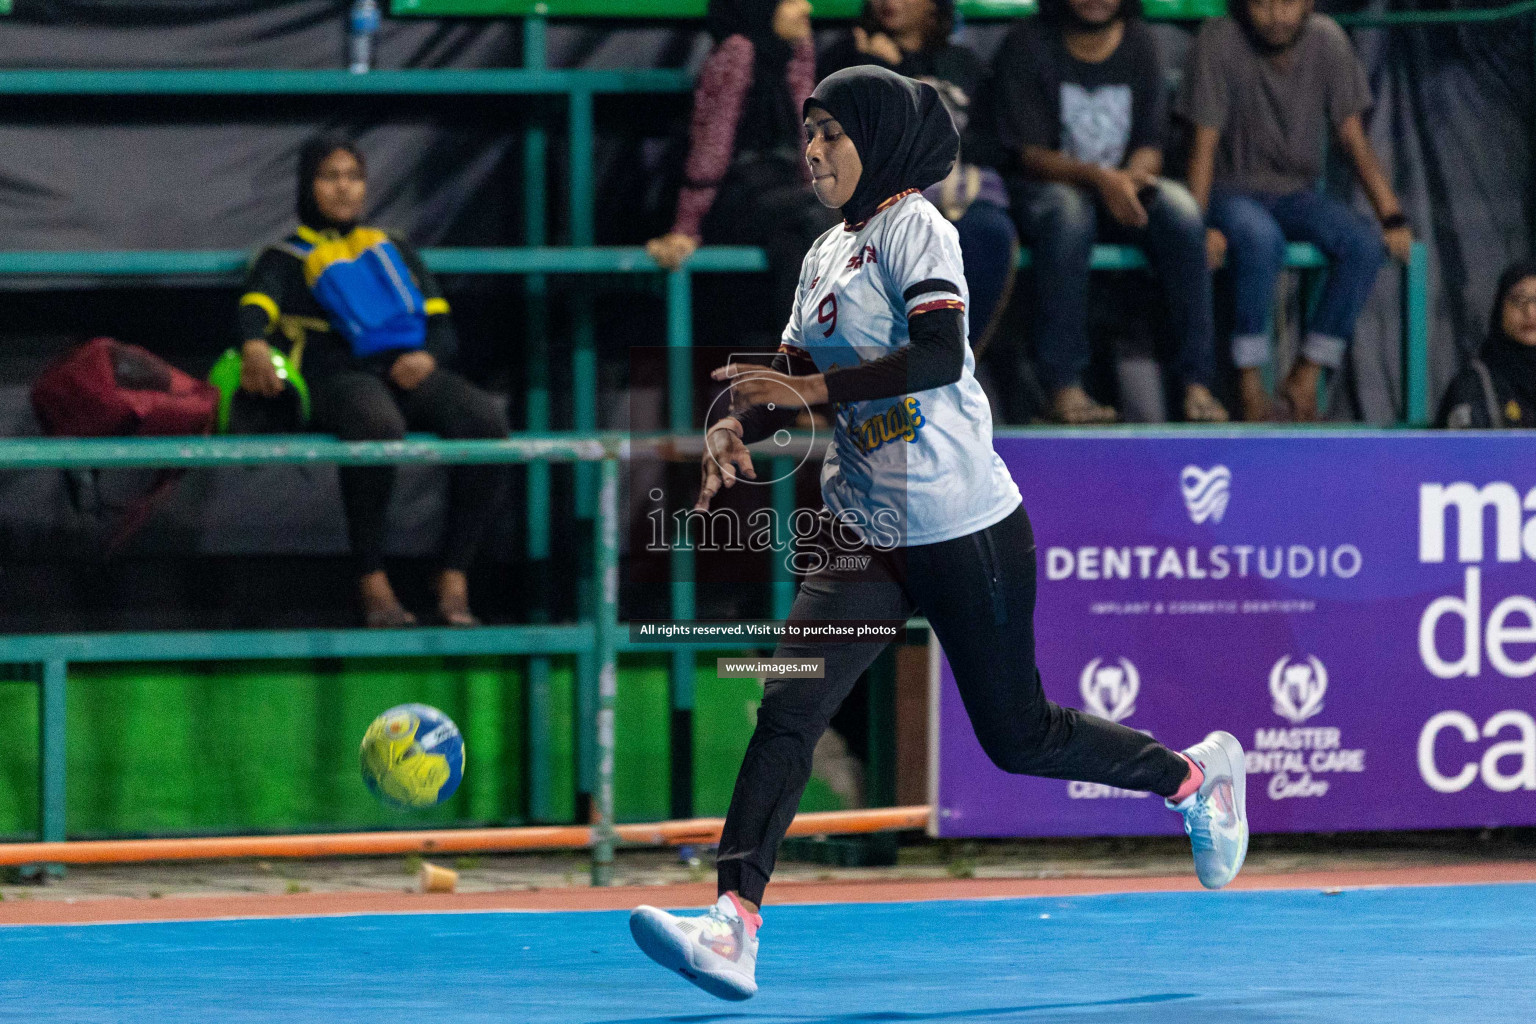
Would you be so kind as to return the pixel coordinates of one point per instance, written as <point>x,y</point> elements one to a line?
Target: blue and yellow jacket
<point>281,303</point>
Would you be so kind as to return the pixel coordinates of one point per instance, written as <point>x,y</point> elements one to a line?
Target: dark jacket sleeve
<point>267,288</point>
<point>934,358</point>
<point>1465,406</point>
<point>442,340</point>
<point>759,421</point>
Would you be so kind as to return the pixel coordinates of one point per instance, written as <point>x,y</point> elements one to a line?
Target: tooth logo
<point>1206,492</point>
<point>1298,688</point>
<point>1109,691</point>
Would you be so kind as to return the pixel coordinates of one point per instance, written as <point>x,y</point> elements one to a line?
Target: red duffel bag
<point>105,388</point>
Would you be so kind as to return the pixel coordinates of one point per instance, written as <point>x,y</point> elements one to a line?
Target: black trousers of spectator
<point>361,405</point>
<point>978,593</point>
<point>766,202</point>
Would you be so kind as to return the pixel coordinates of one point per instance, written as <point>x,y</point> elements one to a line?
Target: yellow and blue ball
<point>413,756</point>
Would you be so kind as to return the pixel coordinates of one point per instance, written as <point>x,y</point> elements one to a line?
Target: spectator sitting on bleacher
<point>747,182</point>
<point>911,37</point>
<point>1078,107</point>
<point>1497,387</point>
<point>1262,88</point>
<point>370,327</point>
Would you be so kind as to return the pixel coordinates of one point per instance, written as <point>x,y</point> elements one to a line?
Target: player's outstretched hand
<point>725,457</point>
<point>753,385</point>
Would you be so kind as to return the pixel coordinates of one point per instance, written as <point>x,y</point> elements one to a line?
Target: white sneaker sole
<point>661,940</point>
<point>1238,768</point>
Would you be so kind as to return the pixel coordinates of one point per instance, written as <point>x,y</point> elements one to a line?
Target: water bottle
<point>365,25</point>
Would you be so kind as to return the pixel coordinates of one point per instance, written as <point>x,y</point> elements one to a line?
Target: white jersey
<point>921,463</point>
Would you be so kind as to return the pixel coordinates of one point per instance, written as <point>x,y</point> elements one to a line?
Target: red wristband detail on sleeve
<point>929,307</point>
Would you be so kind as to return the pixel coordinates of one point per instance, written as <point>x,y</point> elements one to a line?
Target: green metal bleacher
<point>595,639</point>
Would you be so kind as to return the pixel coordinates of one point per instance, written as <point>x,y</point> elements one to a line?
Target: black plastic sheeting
<point>1455,108</point>
<point>1453,120</point>
<point>193,172</point>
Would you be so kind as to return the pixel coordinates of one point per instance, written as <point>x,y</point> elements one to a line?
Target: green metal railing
<point>655,9</point>
<point>217,265</point>
<point>689,9</point>
<point>1452,16</point>
<point>845,9</point>
<point>276,82</point>
<point>537,260</point>
<point>538,263</point>
<point>595,638</point>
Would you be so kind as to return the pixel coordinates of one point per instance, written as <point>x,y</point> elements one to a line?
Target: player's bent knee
<point>1020,746</point>
<point>1015,758</point>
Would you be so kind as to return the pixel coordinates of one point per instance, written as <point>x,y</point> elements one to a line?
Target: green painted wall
<point>1179,9</point>
<point>272,746</point>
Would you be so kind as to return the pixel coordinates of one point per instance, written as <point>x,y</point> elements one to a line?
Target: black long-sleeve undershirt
<point>934,358</point>
<point>760,421</point>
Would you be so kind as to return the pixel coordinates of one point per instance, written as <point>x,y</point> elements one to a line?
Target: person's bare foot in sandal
<point>381,608</point>
<point>1258,407</point>
<point>1074,407</point>
<point>1200,406</point>
<point>1300,390</point>
<point>453,599</point>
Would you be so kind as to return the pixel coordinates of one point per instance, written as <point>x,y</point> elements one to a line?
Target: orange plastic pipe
<point>470,840</point>
<point>707,830</point>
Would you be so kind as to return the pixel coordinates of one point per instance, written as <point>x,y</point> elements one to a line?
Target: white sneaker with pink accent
<point>717,950</point>
<point>1216,814</point>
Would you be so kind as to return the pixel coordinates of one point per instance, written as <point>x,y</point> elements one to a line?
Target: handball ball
<point>413,756</point>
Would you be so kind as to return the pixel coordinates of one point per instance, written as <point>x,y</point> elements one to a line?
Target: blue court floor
<point>1454,954</point>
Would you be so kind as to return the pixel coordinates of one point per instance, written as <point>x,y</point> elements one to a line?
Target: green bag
<point>292,404</point>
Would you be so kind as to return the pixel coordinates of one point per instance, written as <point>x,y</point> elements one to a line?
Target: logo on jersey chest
<point>863,256</point>
<point>901,422</point>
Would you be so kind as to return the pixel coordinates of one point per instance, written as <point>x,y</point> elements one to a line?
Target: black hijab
<point>311,155</point>
<point>768,113</point>
<point>1513,364</point>
<point>901,128</point>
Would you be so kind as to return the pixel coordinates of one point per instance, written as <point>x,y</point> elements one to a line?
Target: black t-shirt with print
<point>1040,95</point>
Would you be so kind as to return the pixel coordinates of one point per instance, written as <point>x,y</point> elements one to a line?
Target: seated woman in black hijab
<point>1497,388</point>
<point>370,328</point>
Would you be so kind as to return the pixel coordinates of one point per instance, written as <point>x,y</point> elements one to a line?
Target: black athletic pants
<point>360,405</point>
<point>978,593</point>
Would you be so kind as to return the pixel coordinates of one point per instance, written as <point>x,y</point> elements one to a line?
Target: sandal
<point>1297,411</point>
<point>459,618</point>
<point>1200,406</point>
<point>1074,407</point>
<point>392,616</point>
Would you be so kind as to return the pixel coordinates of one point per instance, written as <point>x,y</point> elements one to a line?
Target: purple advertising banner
<point>1358,609</point>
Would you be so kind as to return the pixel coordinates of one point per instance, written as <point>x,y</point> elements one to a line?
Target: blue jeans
<point>1257,227</point>
<point>1062,223</point>
<point>987,245</point>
